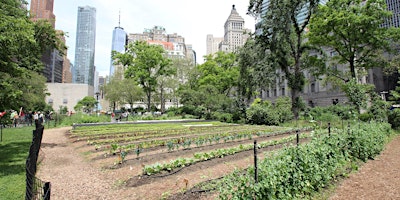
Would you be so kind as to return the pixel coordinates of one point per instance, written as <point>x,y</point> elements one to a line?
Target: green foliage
<point>297,172</point>
<point>353,28</point>
<point>378,109</point>
<point>23,42</point>
<point>331,113</point>
<point>145,63</point>
<point>358,94</point>
<point>394,118</point>
<point>87,104</point>
<point>263,112</point>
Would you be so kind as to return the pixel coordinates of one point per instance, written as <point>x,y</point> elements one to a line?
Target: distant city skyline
<point>190,19</point>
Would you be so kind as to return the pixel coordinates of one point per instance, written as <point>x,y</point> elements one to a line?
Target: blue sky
<point>188,18</point>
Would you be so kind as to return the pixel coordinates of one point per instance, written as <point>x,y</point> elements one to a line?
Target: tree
<point>144,63</point>
<point>221,71</point>
<point>114,88</point>
<point>282,40</point>
<point>353,29</point>
<point>130,92</point>
<point>87,104</point>
<point>254,73</point>
<point>211,84</point>
<point>22,43</point>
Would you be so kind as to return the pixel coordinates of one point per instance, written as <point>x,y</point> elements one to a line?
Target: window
<point>65,101</point>
<point>312,87</point>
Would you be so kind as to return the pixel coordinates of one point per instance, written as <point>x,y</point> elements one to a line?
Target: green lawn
<point>14,149</point>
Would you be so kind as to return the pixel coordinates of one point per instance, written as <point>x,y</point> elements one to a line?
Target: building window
<point>312,87</point>
<point>65,101</point>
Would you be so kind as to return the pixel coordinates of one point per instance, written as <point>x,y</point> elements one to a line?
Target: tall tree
<point>255,74</point>
<point>353,29</point>
<point>22,43</point>
<point>282,39</point>
<point>145,63</point>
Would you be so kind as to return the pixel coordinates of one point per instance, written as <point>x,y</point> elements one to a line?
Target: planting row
<point>185,143</point>
<point>218,153</point>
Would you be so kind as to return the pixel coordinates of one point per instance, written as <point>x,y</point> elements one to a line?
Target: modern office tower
<point>213,43</point>
<point>234,30</point>
<point>51,58</point>
<point>119,41</point>
<point>83,71</point>
<point>394,7</point>
<point>301,17</point>
<point>42,9</point>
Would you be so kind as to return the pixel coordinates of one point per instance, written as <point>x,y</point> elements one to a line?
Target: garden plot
<point>178,156</point>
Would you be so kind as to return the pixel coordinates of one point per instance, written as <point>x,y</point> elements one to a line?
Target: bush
<point>394,118</point>
<point>223,117</point>
<point>262,115</point>
<point>365,117</point>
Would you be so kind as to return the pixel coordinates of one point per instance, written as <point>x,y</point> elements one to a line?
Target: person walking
<point>36,119</point>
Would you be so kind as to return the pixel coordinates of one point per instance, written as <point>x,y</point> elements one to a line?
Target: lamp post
<point>97,103</point>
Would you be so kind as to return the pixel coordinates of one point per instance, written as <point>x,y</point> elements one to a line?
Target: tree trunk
<point>295,95</point>
<point>148,102</point>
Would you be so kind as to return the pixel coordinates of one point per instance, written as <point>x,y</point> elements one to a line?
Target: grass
<point>14,149</point>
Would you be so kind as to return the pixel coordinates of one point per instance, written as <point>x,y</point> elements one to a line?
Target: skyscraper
<point>85,46</point>
<point>43,9</point>
<point>394,7</point>
<point>234,30</point>
<point>119,41</point>
<point>51,58</point>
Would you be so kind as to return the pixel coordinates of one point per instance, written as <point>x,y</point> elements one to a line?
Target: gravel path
<point>70,175</point>
<point>73,177</point>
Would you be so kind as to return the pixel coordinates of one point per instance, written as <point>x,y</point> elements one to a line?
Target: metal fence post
<point>46,191</point>
<point>255,162</point>
<point>329,129</point>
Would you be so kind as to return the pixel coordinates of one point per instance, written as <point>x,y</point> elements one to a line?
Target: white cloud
<point>190,19</point>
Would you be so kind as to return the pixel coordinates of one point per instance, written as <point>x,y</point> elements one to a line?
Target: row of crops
<point>172,137</point>
<point>297,172</point>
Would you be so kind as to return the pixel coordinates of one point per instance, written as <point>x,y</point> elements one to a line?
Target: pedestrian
<point>36,119</point>
<point>41,118</point>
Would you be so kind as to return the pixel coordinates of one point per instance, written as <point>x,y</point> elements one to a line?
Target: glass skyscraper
<point>118,44</point>
<point>83,71</point>
<point>394,7</point>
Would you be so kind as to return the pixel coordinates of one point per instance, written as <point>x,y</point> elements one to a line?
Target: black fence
<point>35,188</point>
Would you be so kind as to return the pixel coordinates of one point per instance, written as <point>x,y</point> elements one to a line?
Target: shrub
<point>394,118</point>
<point>223,117</point>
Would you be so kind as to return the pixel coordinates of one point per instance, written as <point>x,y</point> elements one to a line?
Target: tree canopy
<point>22,43</point>
<point>144,63</point>
<point>353,30</point>
<point>282,40</point>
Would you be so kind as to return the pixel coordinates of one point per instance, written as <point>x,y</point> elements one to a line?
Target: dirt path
<point>376,179</point>
<point>71,176</point>
<point>74,177</point>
